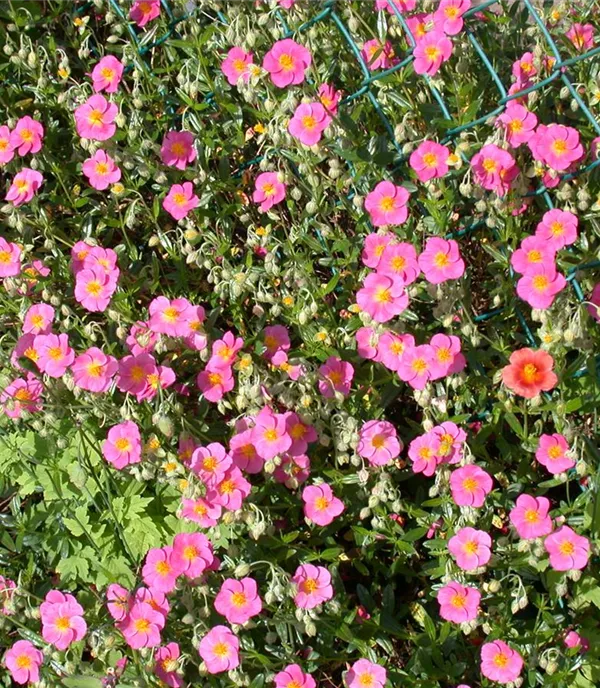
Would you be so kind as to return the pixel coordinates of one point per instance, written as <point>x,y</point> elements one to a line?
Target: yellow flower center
<point>178,149</point>
<point>559,146</point>
<point>501,660</point>
<point>239,65</point>
<point>432,52</point>
<point>490,165</point>
<point>95,369</point>
<point>309,122</point>
<point>540,282</point>
<point>5,257</point>
<point>63,623</point>
<point>123,444</point>
<point>163,568</point>
<point>93,288</point>
<point>566,548</point>
<point>555,452</point>
<point>215,378</point>
<point>534,256</point>
<point>23,394</point>
<point>24,662</point>
<point>221,649</point>
<point>102,168</point>
<point>190,553</point>
<point>309,586</point>
<point>515,125</point>
<point>441,260</point>
<point>419,365</point>
<point>458,601</point>
<point>321,503</point>
<point>55,353</point>
<point>383,295</point>
<point>387,204</point>
<point>26,135</point>
<point>471,547</point>
<point>108,73</point>
<point>96,118</point>
<point>531,516</point>
<point>529,373</point>
<point>239,599</point>
<point>430,159</point>
<point>286,62</point>
<point>470,484</point>
<point>142,625</point>
<point>366,680</point>
<point>227,487</point>
<point>22,185</point>
<point>557,228</point>
<point>179,199</point>
<point>378,441</point>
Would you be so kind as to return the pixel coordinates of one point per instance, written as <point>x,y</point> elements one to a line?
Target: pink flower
<point>447,358</point>
<point>142,626</point>
<point>197,338</point>
<point>533,254</point>
<point>523,69</point>
<point>123,445</point>
<point>118,600</point>
<point>270,434</point>
<point>386,204</point>
<point>470,485</point>
<point>293,677</point>
<point>244,454</point>
<point>431,51</point>
<point>422,452</point>
<point>581,36</point>
<point>180,200</point>
<point>399,261</point>
<point>23,660</point>
<point>192,554</point>
<point>95,119</point>
<point>276,340</point>
<point>401,5</point>
<point>552,453</point>
<point>144,11</point>
<point>268,190</point>
<point>309,122</point>
<point>558,228</point>
<point>593,305</point>
<point>448,16</point>
<point>335,376</point>
<point>10,258</point>
<point>238,600</point>
<point>313,586</point>
<point>232,490</point>
<point>329,98</point>
<point>450,442</point>
<point>373,248</point>
<point>430,159</point>
<point>107,74</point>
<point>214,383</point>
<point>166,665</point>
<point>366,343</point>
<point>55,354</point>
<point>161,569</point>
<point>382,297</point>
<point>27,136</point>
<point>210,463</point>
<point>573,640</point>
<point>364,673</point>
<point>170,317</point>
<point>133,373</point>
<point>441,260</point>
<point>22,395</point>
<point>500,663</point>
<point>219,649</point>
<point>24,186</point>
<point>287,62</point>
<point>458,603</point>
<point>494,169</point>
<point>567,550</point>
<point>62,620</point>
<point>141,339</point>
<point>177,149</point>
<point>7,152</point>
<point>557,146</point>
<point>293,470</point>
<point>38,319</point>
<point>530,517</point>
<point>470,548</point>
<point>101,170</point>
<point>518,123</point>
<point>391,349</point>
<point>94,370</point>
<point>320,504</point>
<point>539,289</point>
<point>237,65</point>
<point>201,511</point>
<point>378,55</point>
<point>416,365</point>
<point>378,442</point>
<point>94,289</point>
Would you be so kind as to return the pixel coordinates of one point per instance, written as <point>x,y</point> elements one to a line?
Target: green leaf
<point>82,682</point>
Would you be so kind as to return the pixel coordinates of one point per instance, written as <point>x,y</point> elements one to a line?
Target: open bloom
<point>552,452</point>
<point>93,370</point>
<point>430,160</point>
<point>7,152</point>
<point>313,586</point>
<point>399,261</point>
<point>523,69</point>
<point>518,123</point>
<point>539,288</point>
<point>329,98</point>
<point>471,548</point>
<point>470,486</point>
<point>321,506</point>
<point>500,663</point>
<point>22,394</point>
<point>107,74</point>
<point>27,136</point>
<point>416,365</point>
<point>202,511</point>
<point>180,200</point>
<point>94,288</point>
<point>210,463</point>
<point>23,660</point>
<point>530,517</point>
<point>335,376</point>
<point>238,600</point>
<point>143,11</point>
<point>309,122</point>
<point>101,170</point>
<point>24,186</point>
<point>177,149</point>
<point>167,664</point>
<point>219,649</point>
<point>363,674</point>
<point>268,190</point>
<point>378,442</point>
<point>237,65</point>
<point>232,490</point>
<point>382,297</point>
<point>142,626</point>
<point>95,119</point>
<point>293,677</point>
<point>458,603</point>
<point>581,36</point>
<point>170,317</point>
<point>567,549</point>
<point>287,62</point>
<point>214,383</point>
<point>441,260</point>
<point>557,146</point>
<point>529,373</point>
<point>62,620</point>
<point>449,15</point>
<point>533,253</point>
<point>55,354</point>
<point>387,204</point>
<point>161,569</point>
<point>431,52</point>
<point>494,169</point>
<point>123,445</point>
<point>447,357</point>
<point>558,228</point>
<point>270,434</point>
<point>10,260</point>
<point>378,55</point>
<point>373,248</point>
<point>192,554</point>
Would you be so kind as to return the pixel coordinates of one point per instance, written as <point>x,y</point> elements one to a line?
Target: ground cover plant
<point>299,324</point>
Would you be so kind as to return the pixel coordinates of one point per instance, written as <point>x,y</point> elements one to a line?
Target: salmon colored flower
<point>539,288</point>
<point>335,376</point>
<point>237,65</point>
<point>557,146</point>
<point>441,260</point>
<point>378,55</point>
<point>470,486</point>
<point>95,119</point>
<point>219,650</point>
<point>39,317</point>
<point>142,626</point>
<point>518,123</point>
<point>430,159</point>
<point>10,258</point>
<point>101,170</point>
<point>312,586</point>
<point>529,373</point>
<point>378,442</point>
<point>470,548</point>
<point>62,620</point>
<point>363,674</point>
<point>180,200</point>
<point>422,451</point>
<point>558,228</point>
<point>293,677</point>
<point>382,296</point>
<point>287,62</point>
<point>7,152</point>
<point>530,517</point>
<point>321,506</point>
<point>268,191</point>
<point>24,186</point>
<point>27,136</point>
<point>177,149</point>
<point>449,15</point>
<point>552,452</point>
<point>143,11</point>
<point>568,551</point>
<point>387,204</point>
<point>238,600</point>
<point>458,603</point>
<point>23,660</point>
<point>309,122</point>
<point>93,370</point>
<point>107,74</point>
<point>123,445</point>
<point>431,51</point>
<point>500,663</point>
